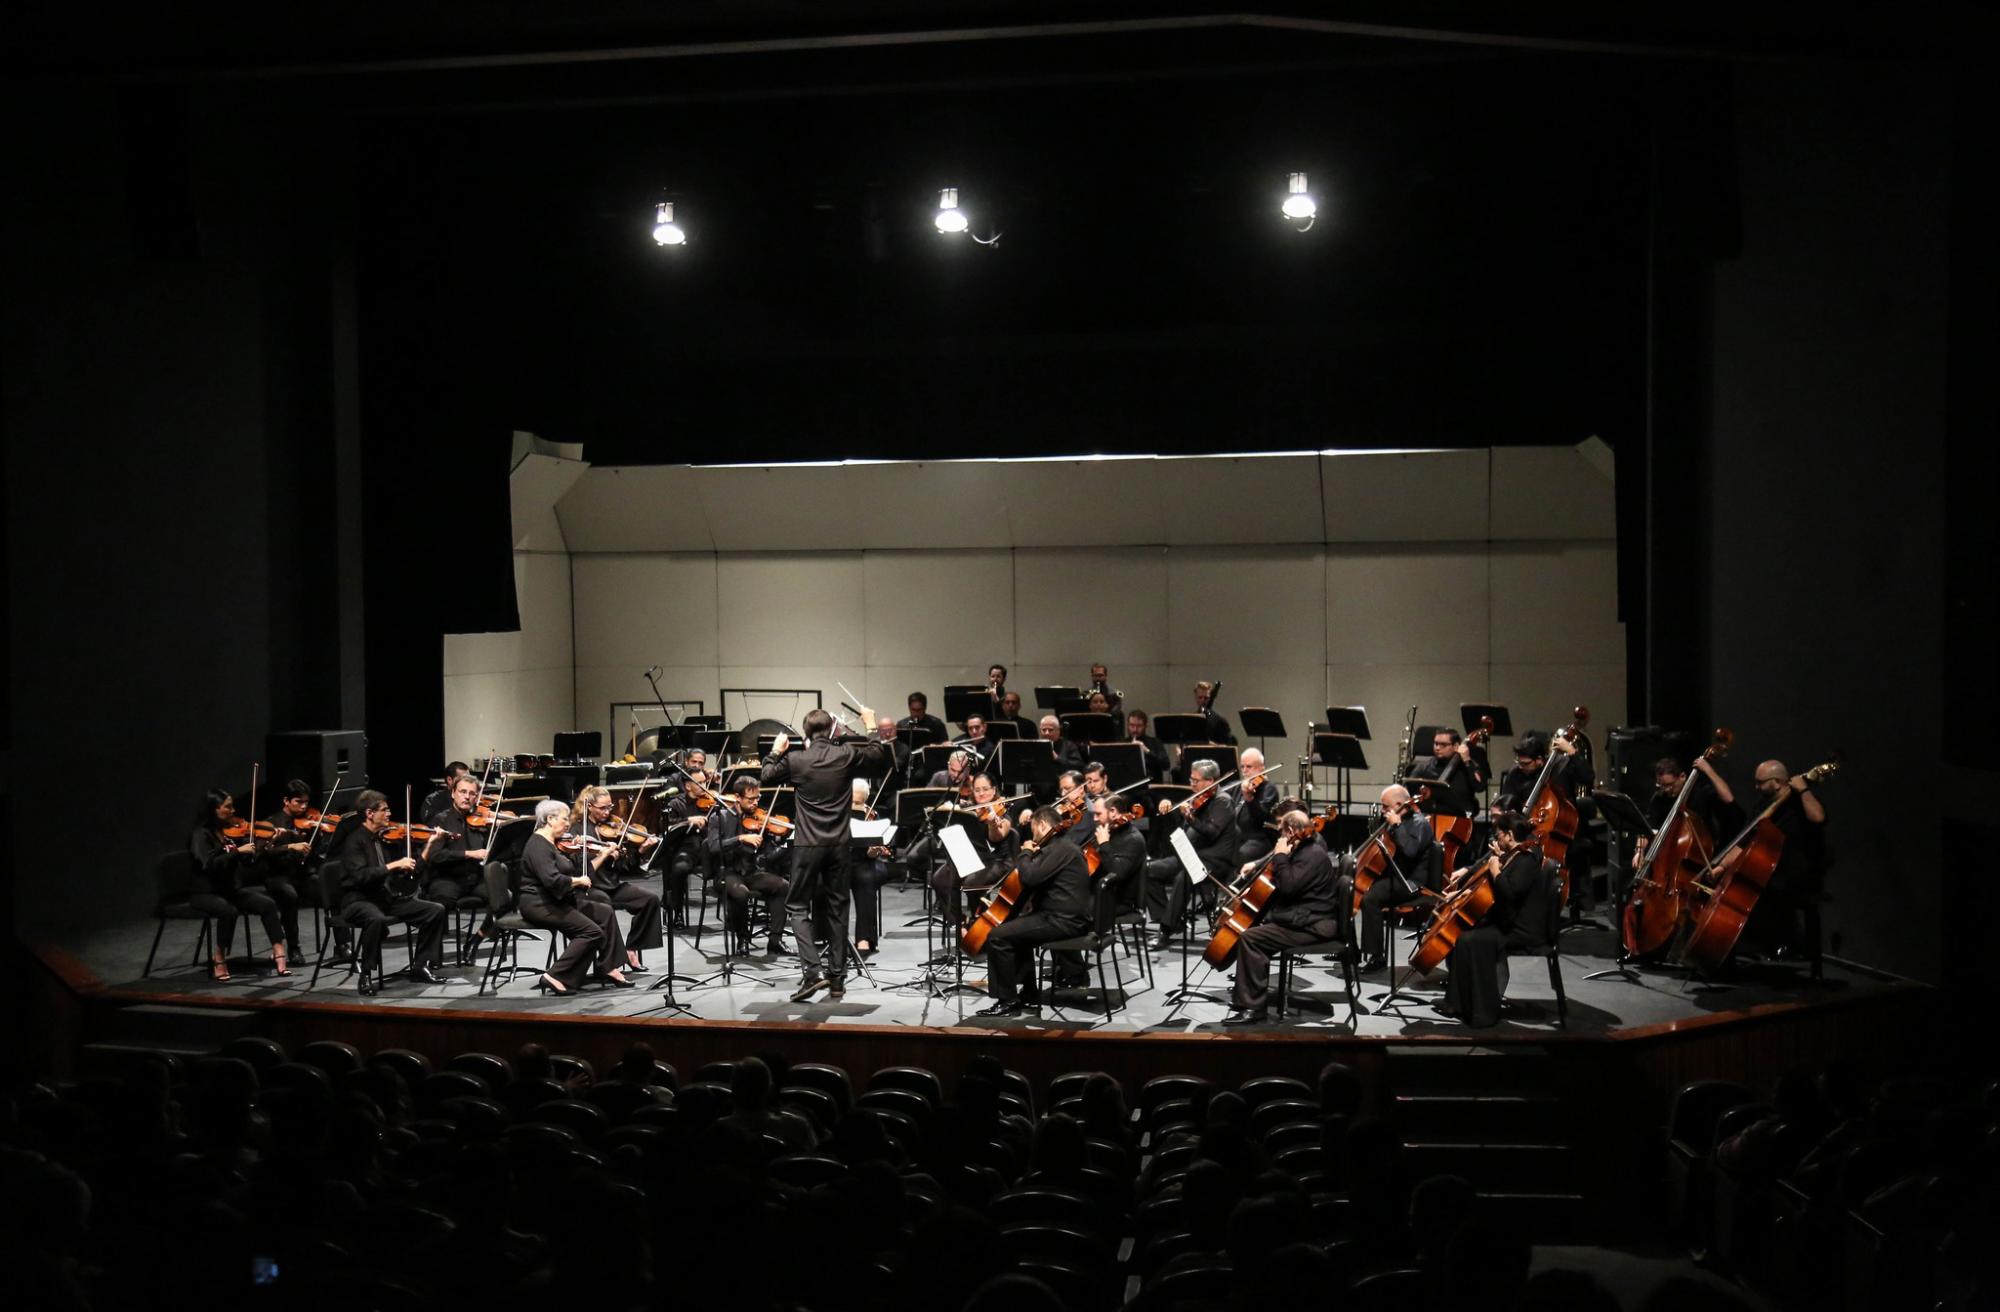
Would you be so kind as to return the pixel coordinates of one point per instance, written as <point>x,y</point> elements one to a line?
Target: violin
<point>398,832</point>
<point>485,818</point>
<point>761,821</point>
<point>240,831</point>
<point>314,820</point>
<point>615,830</point>
<point>574,843</point>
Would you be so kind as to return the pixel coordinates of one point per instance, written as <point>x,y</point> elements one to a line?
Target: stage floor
<point>894,993</point>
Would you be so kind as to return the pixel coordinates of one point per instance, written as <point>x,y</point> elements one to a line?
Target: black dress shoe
<point>1000,1010</point>
<point>1080,980</point>
<point>637,970</point>
<point>1374,965</point>
<point>423,974</point>
<point>614,982</point>
<point>1244,1016</point>
<point>836,992</point>
<point>368,986</point>
<point>811,985</point>
<point>1445,1009</point>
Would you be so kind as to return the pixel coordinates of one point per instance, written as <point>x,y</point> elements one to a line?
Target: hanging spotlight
<point>1299,205</point>
<point>950,218</point>
<point>665,231</point>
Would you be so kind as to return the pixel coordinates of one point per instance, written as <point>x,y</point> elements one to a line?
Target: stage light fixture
<point>1299,205</point>
<point>665,231</point>
<point>950,218</point>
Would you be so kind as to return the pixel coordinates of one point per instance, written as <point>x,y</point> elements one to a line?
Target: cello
<point>1462,908</point>
<point>1549,809</point>
<point>1740,873</point>
<point>1678,852</point>
<point>1246,904</point>
<point>1378,852</point>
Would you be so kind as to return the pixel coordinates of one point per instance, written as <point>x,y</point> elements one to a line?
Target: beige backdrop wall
<point>1411,593</point>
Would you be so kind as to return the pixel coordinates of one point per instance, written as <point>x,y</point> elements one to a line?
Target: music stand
<point>1225,757</point>
<point>1030,762</point>
<point>999,729</point>
<point>917,812</point>
<point>1046,698</point>
<point>765,741</point>
<point>1350,720</point>
<point>1261,722</point>
<point>717,743</point>
<point>1626,820</point>
<point>933,759</point>
<point>1124,763</point>
<point>1085,727</point>
<point>962,701</point>
<point>1470,712</point>
<point>1068,706</point>
<point>1342,753</point>
<point>1180,727</point>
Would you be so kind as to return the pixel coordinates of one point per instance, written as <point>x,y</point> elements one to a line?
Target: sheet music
<point>1184,849</point>
<point>872,831</point>
<point>958,846</point>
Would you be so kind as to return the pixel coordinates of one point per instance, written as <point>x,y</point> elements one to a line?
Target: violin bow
<point>324,809</point>
<point>252,817</point>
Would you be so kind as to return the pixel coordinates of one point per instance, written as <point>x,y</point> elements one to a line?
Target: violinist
<point>285,856</point>
<point>1209,816</point>
<point>1801,871</point>
<point>1010,710</point>
<point>1304,908</point>
<point>438,800</point>
<point>1218,727</point>
<point>684,820</point>
<point>1057,882</point>
<point>555,896</point>
<point>994,838</point>
<point>225,860</point>
<point>1256,809</point>
<point>1519,921</point>
<point>1457,771</point>
<point>957,773</point>
<point>822,776</point>
<point>734,850</point>
<point>1121,849</point>
<point>455,865</point>
<point>1069,787</point>
<point>1412,874</point>
<point>614,872</point>
<point>920,717</point>
<point>365,901</point>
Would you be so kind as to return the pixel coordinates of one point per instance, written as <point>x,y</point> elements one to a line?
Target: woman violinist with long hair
<point>224,848</point>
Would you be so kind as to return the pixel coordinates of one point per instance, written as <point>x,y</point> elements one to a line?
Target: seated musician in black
<point>1256,811</point>
<point>898,776</point>
<point>1800,875</point>
<point>734,850</point>
<point>1121,850</point>
<point>1069,756</point>
<point>439,798</point>
<point>1457,772</point>
<point>872,868</point>
<point>1056,897</point>
<point>1304,908</point>
<point>920,717</point>
<point>554,891</point>
<point>367,901</point>
<point>616,880</point>
<point>975,739</point>
<point>683,822</point>
<point>455,867</point>
<point>1573,774</point>
<point>1709,797</point>
<point>1069,787</point>
<point>1155,753</point>
<point>224,870</point>
<point>1410,876</point>
<point>1520,921</point>
<point>285,857</point>
<point>958,770</point>
<point>1010,711</point>
<point>1218,727</point>
<point>994,838</point>
<point>1100,681</point>
<point>1211,826</point>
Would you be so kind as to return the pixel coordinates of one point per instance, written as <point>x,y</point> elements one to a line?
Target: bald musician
<point>1413,873</point>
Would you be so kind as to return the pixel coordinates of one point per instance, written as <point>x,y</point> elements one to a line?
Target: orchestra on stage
<point>1091,821</point>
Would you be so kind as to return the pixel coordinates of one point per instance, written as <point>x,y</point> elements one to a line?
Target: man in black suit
<point>1211,827</point>
<point>1056,881</point>
<point>920,717</point>
<point>1304,908</point>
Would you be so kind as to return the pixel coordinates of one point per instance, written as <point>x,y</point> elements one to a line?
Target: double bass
<point>1549,809</point>
<point>1736,880</point>
<point>1675,857</point>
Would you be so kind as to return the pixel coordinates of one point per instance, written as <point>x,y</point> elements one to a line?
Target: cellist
<point>1801,868</point>
<point>1519,920</point>
<point>1304,908</point>
<point>1411,875</point>
<point>1058,880</point>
